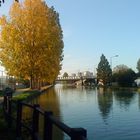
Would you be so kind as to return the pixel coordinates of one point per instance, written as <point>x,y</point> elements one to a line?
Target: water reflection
<point>124,98</point>
<point>139,100</point>
<point>89,107</point>
<point>105,101</point>
<point>49,101</point>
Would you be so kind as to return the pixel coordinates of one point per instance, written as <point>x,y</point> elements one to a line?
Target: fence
<point>49,121</point>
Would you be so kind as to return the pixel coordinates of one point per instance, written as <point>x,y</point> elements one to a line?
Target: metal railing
<point>49,121</point>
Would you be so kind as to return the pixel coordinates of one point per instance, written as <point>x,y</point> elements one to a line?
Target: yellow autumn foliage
<point>31,44</point>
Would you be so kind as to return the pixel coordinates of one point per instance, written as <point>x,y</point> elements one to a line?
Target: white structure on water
<point>137,81</point>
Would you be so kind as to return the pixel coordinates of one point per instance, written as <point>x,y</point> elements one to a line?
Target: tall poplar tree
<point>104,71</point>
<point>31,43</point>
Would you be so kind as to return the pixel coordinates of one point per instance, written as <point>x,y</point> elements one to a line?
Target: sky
<point>95,27</point>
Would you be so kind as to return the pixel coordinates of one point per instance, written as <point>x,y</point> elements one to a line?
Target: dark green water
<point>106,114</point>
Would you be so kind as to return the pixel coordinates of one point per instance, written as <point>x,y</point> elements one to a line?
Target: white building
<point>88,74</point>
<point>73,75</point>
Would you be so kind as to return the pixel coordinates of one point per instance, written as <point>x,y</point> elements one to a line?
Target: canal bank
<point>27,94</point>
<point>7,133</point>
<point>30,120</point>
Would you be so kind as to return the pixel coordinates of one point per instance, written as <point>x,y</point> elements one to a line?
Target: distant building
<point>85,73</point>
<point>73,75</point>
<point>88,74</point>
<point>6,81</point>
<point>79,74</point>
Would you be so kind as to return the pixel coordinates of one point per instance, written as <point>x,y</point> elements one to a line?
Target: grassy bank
<point>29,94</point>
<point>1,93</point>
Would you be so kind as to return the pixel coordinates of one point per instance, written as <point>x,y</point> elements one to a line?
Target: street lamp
<point>111,66</point>
<point>111,60</point>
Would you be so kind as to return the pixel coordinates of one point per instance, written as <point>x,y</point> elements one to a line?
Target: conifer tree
<point>138,66</point>
<point>104,71</point>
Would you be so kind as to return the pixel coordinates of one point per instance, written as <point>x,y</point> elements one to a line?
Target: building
<point>88,74</point>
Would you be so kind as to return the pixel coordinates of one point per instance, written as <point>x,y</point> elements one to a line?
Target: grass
<point>138,90</point>
<point>27,95</point>
<point>1,93</point>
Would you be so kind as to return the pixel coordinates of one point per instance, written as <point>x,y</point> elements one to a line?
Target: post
<point>35,122</point>
<point>111,66</point>
<point>5,108</point>
<point>19,120</point>
<point>9,112</point>
<point>111,60</point>
<point>78,134</point>
<point>5,103</point>
<point>48,126</point>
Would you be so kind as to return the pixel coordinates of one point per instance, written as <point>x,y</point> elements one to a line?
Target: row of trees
<point>121,74</point>
<point>31,42</point>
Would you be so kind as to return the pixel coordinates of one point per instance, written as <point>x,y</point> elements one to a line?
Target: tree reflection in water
<point>105,101</point>
<point>124,98</point>
<point>139,101</point>
<point>48,101</point>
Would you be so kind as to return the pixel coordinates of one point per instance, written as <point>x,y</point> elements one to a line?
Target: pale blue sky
<point>93,27</point>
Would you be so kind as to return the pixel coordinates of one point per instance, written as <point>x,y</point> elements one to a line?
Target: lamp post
<point>111,60</point>
<point>111,66</point>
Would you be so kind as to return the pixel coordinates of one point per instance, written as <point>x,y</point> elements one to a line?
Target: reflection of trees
<point>105,101</point>
<point>49,101</point>
<point>124,97</point>
<point>139,100</point>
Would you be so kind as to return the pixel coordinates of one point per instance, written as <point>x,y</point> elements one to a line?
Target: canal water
<point>106,114</point>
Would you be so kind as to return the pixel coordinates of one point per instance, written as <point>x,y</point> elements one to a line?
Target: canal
<point>106,114</point>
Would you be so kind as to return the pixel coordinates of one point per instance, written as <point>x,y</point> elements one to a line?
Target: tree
<point>31,44</point>
<point>65,74</point>
<point>104,71</point>
<point>123,75</point>
<point>138,65</point>
<point>2,1</point>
